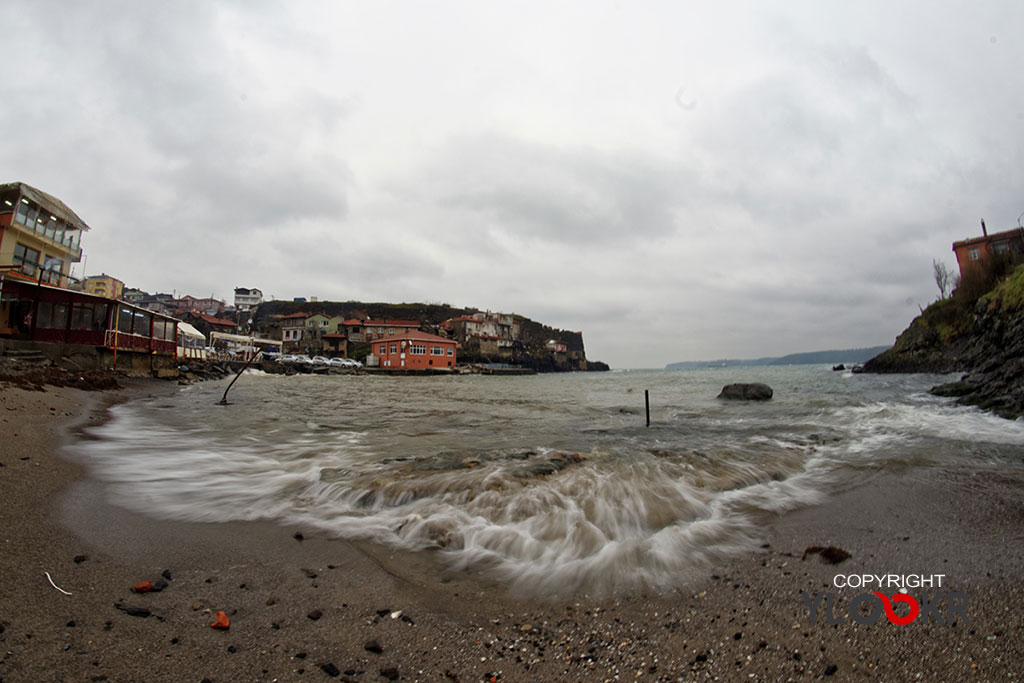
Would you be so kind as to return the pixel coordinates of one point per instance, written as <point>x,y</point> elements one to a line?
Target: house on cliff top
<point>975,251</point>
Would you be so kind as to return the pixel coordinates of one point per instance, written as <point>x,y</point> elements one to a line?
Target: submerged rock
<point>746,392</point>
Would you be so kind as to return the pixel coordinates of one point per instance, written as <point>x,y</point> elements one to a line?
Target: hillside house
<point>379,329</point>
<point>293,332</point>
<point>975,251</point>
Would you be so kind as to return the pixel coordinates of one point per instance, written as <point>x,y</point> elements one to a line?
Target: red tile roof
<point>415,334</point>
<point>294,315</point>
<point>214,321</point>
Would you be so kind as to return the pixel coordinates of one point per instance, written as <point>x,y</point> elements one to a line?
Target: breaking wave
<point>548,483</point>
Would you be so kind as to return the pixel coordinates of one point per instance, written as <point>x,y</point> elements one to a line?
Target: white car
<point>302,360</point>
<point>321,360</point>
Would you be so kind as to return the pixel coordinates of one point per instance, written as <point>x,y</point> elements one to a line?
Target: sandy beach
<point>306,607</point>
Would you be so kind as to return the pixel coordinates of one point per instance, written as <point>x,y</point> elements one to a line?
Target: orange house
<point>976,250</point>
<point>415,350</point>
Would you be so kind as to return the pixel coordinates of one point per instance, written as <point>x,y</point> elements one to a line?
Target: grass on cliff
<point>1008,295</point>
<point>951,318</point>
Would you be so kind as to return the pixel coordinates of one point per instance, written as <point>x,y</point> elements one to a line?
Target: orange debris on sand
<point>222,620</point>
<point>143,587</point>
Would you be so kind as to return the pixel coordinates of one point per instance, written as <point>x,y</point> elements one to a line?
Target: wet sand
<point>322,609</point>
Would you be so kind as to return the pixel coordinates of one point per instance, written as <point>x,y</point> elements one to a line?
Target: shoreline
<point>307,609</point>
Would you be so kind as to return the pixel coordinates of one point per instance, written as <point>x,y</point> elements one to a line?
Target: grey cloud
<point>576,196</point>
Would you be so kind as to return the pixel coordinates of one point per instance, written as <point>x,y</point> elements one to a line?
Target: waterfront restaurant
<point>32,313</point>
<point>415,350</point>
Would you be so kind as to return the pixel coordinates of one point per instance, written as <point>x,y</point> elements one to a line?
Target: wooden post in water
<point>647,405</point>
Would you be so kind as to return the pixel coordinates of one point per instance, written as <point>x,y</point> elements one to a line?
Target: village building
<point>103,285</point>
<point>335,344</point>
<point>414,350</point>
<point>495,346</point>
<point>206,323</point>
<point>353,330</point>
<point>247,299</point>
<point>379,329</point>
<point>465,327</point>
<point>40,237</point>
<point>134,296</point>
<point>208,305</point>
<point>293,332</point>
<point>974,252</point>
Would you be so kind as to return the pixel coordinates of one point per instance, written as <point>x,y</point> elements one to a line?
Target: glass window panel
<point>124,320</point>
<point>44,314</point>
<point>142,323</point>
<point>99,316</point>
<point>60,316</point>
<point>81,316</point>
<point>23,212</point>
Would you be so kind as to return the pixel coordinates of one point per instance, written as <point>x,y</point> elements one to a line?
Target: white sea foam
<point>526,480</point>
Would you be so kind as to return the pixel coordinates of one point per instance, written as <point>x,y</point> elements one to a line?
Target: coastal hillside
<point>531,348</point>
<point>978,331</point>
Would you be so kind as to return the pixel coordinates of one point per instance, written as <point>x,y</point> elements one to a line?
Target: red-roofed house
<point>415,350</point>
<point>207,323</point>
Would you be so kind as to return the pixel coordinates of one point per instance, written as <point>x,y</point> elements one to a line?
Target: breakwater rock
<point>747,392</point>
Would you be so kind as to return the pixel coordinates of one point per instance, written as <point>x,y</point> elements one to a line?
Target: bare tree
<point>943,278</point>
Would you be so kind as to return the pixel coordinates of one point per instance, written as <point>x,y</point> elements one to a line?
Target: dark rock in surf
<point>746,392</point>
<point>956,389</point>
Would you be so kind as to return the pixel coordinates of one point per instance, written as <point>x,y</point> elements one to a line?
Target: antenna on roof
<point>1018,221</point>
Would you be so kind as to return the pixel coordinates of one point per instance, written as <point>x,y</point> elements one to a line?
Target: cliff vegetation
<point>979,331</point>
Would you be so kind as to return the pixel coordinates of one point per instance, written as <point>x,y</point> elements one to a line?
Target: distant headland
<point>848,356</point>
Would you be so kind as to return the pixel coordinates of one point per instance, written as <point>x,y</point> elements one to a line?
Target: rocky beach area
<point>300,606</point>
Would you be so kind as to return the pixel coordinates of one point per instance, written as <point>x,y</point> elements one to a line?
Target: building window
<point>394,348</point>
<point>419,349</point>
<point>29,258</point>
<point>974,253</point>
<point>382,350</point>
<point>1001,247</point>
<point>22,215</point>
<point>436,350</point>
<point>451,351</point>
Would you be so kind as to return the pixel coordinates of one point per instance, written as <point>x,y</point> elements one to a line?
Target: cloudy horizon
<point>679,183</point>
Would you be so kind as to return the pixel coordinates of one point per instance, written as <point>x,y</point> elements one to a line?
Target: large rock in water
<point>746,392</point>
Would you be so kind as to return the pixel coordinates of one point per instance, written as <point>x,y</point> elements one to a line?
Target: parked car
<point>303,360</point>
<point>321,360</point>
<point>338,363</point>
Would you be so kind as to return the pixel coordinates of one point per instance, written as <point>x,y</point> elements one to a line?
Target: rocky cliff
<point>982,337</point>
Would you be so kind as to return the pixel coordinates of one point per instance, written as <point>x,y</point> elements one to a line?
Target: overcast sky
<point>679,181</point>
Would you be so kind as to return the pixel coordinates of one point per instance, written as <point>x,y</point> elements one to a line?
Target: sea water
<point>551,483</point>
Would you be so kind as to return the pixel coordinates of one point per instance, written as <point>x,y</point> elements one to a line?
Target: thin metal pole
<point>647,405</point>
<point>224,399</point>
